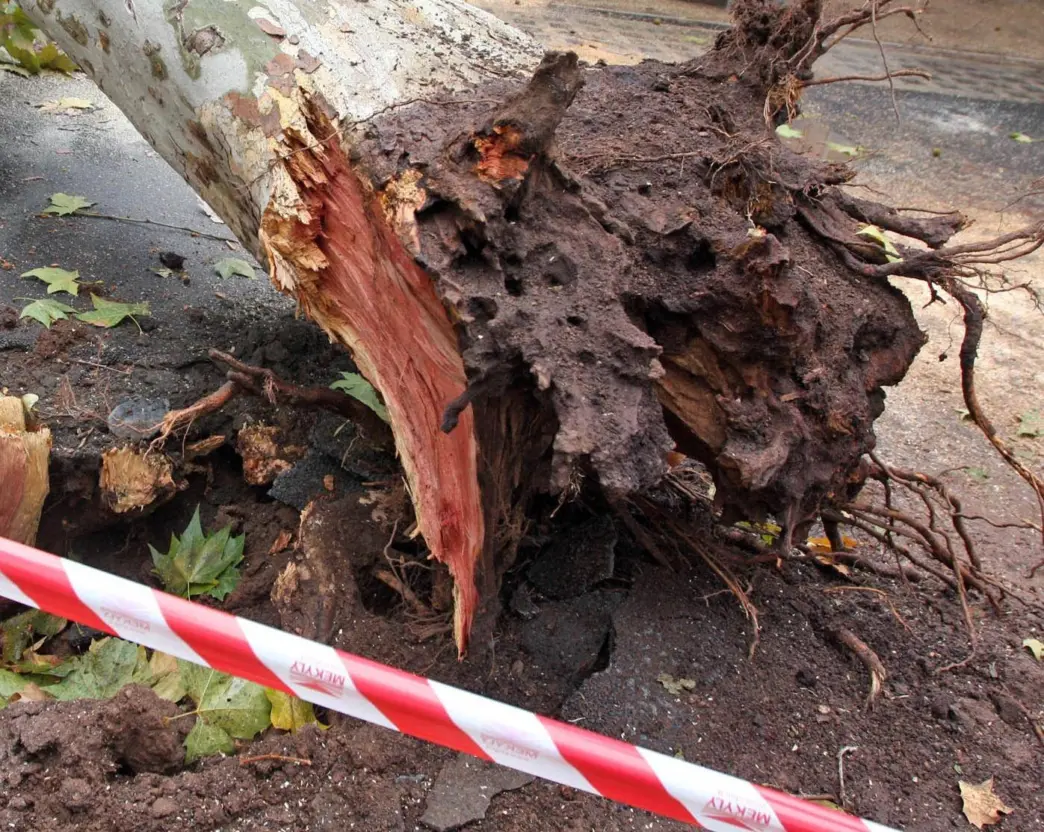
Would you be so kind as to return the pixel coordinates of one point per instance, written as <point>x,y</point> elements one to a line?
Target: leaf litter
<point>226,708</point>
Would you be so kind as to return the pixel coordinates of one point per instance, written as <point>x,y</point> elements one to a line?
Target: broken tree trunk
<point>551,277</point>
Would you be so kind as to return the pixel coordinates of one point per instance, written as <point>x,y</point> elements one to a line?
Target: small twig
<point>841,771</point>
<point>99,366</point>
<point>277,758</point>
<point>899,73</point>
<point>185,228</point>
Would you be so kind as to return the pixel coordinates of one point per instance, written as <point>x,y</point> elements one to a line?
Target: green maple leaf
<point>47,311</point>
<point>109,665</point>
<point>235,705</point>
<point>234,266</point>
<point>878,236</point>
<point>109,313</point>
<point>57,280</point>
<point>51,57</point>
<point>198,564</point>
<point>64,204</point>
<point>1022,138</point>
<point>359,388</point>
<point>206,740</point>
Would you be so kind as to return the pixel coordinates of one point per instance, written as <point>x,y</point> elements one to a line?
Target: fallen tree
<point>553,274</point>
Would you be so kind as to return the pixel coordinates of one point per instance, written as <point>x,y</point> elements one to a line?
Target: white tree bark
<point>255,104</point>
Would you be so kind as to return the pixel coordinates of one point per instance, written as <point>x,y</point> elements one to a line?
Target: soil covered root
<point>630,262</point>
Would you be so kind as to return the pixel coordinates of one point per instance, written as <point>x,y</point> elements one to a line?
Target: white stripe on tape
<point>511,736</point>
<point>131,610</point>
<point>719,802</point>
<point>314,672</point>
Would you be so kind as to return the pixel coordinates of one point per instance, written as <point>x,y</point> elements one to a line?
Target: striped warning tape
<point>403,702</point>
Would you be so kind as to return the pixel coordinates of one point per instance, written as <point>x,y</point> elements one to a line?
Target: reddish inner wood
<point>404,343</point>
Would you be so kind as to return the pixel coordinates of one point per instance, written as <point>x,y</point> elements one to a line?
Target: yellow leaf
<point>981,806</point>
<point>822,544</point>
<point>826,560</point>
<point>1035,646</point>
<point>288,712</point>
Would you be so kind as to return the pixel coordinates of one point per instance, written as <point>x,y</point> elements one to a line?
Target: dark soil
<point>779,718</point>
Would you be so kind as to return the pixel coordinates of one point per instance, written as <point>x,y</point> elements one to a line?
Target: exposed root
<point>870,660</point>
<point>260,381</point>
<point>274,758</point>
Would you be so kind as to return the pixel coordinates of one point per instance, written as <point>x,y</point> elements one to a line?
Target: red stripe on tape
<point>218,639</point>
<point>410,703</point>
<point>795,813</point>
<point>615,769</point>
<point>42,578</point>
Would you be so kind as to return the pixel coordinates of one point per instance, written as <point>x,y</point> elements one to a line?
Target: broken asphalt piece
<point>463,790</point>
<point>577,560</point>
<point>567,637</point>
<point>314,475</point>
<point>172,260</point>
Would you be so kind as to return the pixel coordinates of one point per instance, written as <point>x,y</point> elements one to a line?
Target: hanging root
<point>956,270</point>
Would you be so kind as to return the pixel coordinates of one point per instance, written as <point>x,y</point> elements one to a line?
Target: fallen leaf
<point>288,712</point>
<point>163,272</point>
<point>234,266</point>
<point>64,204</point>
<point>878,236</point>
<point>1031,425</point>
<point>205,740</point>
<point>845,149</point>
<point>109,313</point>
<point>1022,138</point>
<point>17,70</point>
<point>109,665</point>
<point>1035,646</point>
<point>32,692</point>
<point>675,686</point>
<point>47,311</point>
<point>359,388</point>
<point>19,632</point>
<point>978,474</point>
<point>51,57</point>
<point>198,564</point>
<point>235,705</point>
<point>981,806</point>
<point>822,544</point>
<point>826,560</point>
<point>57,280</point>
<point>69,106</point>
<point>166,680</point>
<point>785,131</point>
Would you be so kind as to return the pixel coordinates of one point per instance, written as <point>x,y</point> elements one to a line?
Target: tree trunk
<point>544,294</point>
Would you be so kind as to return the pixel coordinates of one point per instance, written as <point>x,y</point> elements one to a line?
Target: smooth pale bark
<point>255,105</point>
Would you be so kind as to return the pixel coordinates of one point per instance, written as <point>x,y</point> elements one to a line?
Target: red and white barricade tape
<point>403,702</point>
